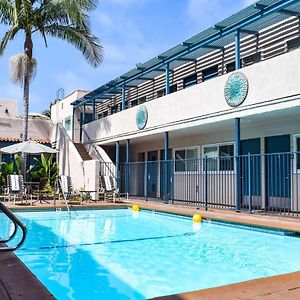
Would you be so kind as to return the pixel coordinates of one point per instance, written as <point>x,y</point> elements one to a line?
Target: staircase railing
<point>106,164</point>
<point>17,224</point>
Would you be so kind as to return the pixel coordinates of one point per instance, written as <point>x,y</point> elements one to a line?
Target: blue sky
<point>131,32</point>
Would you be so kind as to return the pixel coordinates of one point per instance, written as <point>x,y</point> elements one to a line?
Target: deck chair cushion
<point>108,185</point>
<point>64,184</point>
<point>15,183</point>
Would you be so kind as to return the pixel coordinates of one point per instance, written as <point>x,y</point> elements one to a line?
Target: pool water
<point>116,254</point>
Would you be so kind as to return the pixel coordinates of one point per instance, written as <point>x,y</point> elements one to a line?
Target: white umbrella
<point>30,147</point>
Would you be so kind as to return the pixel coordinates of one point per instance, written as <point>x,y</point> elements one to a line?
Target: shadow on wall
<point>70,272</point>
<point>64,149</point>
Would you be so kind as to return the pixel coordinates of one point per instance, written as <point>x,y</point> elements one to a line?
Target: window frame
<point>295,137</point>
<point>191,84</point>
<point>197,147</point>
<point>218,145</point>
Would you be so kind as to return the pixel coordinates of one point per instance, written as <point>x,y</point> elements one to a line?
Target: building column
<point>237,49</point>
<point>123,97</point>
<point>127,166</point>
<point>167,79</point>
<point>166,158</point>
<point>237,153</point>
<point>73,123</point>
<point>117,164</point>
<point>94,109</point>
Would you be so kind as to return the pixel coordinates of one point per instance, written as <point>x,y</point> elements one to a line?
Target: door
<point>278,172</point>
<point>166,171</point>
<point>251,173</point>
<point>152,174</point>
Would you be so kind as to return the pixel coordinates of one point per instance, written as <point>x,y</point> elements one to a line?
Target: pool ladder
<point>17,224</point>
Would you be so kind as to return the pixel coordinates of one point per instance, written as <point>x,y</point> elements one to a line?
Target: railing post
<point>73,123</point>
<point>237,159</point>
<point>127,166</point>
<point>117,163</point>
<point>237,49</point>
<point>123,97</point>
<point>165,164</point>
<point>146,181</point>
<point>167,79</point>
<point>249,183</point>
<point>94,109</point>
<point>205,182</point>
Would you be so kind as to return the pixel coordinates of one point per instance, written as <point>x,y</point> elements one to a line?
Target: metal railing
<point>17,224</point>
<point>108,165</point>
<point>257,183</point>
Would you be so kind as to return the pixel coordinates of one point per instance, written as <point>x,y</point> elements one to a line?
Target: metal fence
<point>257,183</point>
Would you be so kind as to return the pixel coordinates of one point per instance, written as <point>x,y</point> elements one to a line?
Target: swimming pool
<point>115,254</point>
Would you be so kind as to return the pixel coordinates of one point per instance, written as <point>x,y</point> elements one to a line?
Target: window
<point>219,157</point>
<point>114,109</point>
<point>297,140</point>
<point>186,160</point>
<point>162,92</point>
<point>68,124</point>
<point>105,114</point>
<point>190,81</point>
<point>251,59</point>
<point>138,101</point>
<point>293,44</point>
<point>134,102</point>
<point>210,73</point>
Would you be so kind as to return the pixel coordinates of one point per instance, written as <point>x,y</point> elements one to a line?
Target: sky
<point>131,32</point>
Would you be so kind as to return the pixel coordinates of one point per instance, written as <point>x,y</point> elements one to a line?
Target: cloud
<point>70,81</point>
<point>209,12</point>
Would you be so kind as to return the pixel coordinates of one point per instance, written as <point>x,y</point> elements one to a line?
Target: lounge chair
<point>108,190</point>
<point>41,190</point>
<point>16,189</point>
<point>66,188</point>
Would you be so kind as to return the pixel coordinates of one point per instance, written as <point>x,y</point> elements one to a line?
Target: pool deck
<point>17,282</point>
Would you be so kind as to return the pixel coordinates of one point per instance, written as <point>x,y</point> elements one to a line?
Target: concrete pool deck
<point>281,287</point>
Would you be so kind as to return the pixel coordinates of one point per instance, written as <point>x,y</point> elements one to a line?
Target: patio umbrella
<point>30,147</point>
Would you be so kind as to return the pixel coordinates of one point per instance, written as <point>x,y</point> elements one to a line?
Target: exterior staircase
<point>82,151</point>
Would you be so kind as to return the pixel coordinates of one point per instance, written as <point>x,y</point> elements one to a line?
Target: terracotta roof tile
<point>19,140</point>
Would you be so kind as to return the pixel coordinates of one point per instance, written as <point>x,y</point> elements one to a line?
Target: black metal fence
<point>262,183</point>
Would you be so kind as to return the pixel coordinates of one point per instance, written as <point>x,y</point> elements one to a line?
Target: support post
<point>127,166</point>
<point>73,123</point>
<point>237,154</point>
<point>249,183</point>
<point>117,164</point>
<point>166,158</point>
<point>146,180</point>
<point>123,97</point>
<point>237,49</point>
<point>206,182</point>
<point>83,116</point>
<point>94,109</point>
<point>167,79</point>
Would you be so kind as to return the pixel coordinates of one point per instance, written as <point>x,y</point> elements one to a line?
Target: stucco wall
<point>270,82</point>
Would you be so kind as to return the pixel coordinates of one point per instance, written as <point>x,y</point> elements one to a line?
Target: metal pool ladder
<point>17,224</point>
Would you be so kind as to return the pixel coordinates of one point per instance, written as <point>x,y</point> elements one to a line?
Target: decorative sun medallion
<point>236,89</point>
<point>141,117</point>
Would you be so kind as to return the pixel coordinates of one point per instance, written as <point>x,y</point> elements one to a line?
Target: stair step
<point>82,151</point>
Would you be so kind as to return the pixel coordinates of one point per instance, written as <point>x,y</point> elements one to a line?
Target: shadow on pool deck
<point>67,272</point>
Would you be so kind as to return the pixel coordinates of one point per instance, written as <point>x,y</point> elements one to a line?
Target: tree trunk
<point>28,46</point>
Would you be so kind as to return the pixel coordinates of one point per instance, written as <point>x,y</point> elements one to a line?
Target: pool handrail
<point>17,223</point>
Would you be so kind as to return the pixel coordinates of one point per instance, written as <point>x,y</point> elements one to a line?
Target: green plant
<point>44,168</point>
<point>7,169</point>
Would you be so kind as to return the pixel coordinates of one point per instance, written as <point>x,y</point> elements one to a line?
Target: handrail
<point>17,223</point>
<point>95,148</point>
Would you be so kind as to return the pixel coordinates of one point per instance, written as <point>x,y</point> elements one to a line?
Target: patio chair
<point>16,188</point>
<point>66,188</point>
<point>108,191</point>
<point>41,190</point>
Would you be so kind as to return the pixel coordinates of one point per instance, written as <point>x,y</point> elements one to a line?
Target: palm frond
<point>20,66</point>
<point>8,36</point>
<point>6,12</point>
<point>82,39</point>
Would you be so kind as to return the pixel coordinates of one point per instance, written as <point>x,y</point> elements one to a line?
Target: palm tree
<point>64,19</point>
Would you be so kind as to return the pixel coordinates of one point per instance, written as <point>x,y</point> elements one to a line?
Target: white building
<point>204,105</point>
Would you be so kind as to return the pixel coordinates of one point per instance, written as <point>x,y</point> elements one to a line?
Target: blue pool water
<point>115,254</point>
